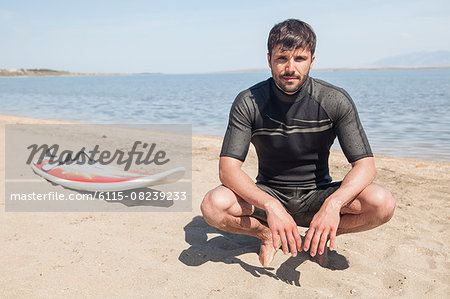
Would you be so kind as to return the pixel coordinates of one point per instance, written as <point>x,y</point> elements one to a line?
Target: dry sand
<point>178,255</point>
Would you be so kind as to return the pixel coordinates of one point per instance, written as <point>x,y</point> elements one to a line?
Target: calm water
<point>404,112</point>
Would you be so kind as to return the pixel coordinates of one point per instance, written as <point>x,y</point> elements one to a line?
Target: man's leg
<point>371,208</point>
<point>225,210</point>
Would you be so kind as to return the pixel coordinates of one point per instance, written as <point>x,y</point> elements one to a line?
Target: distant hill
<point>44,72</point>
<point>31,72</point>
<point>418,59</point>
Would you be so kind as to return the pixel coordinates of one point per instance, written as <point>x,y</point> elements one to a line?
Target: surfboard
<point>98,177</point>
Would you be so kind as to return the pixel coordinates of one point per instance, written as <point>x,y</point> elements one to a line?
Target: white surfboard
<point>98,177</point>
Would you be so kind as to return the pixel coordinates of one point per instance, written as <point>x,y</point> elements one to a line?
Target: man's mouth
<point>290,78</point>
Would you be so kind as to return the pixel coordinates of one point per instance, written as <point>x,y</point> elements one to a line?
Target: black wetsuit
<point>293,134</point>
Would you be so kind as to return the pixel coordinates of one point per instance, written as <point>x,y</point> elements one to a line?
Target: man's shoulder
<point>256,92</point>
<point>334,100</point>
<point>322,90</point>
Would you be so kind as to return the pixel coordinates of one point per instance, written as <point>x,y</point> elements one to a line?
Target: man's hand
<point>282,225</point>
<point>326,221</point>
<point>323,227</point>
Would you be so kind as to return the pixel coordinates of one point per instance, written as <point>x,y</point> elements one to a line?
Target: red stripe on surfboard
<point>58,173</point>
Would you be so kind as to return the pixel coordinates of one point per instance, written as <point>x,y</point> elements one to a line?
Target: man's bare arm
<point>280,222</point>
<point>326,221</point>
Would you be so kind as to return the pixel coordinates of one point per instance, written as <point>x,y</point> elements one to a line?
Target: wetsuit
<point>292,134</point>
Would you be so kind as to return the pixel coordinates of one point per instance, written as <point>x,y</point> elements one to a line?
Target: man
<point>292,120</point>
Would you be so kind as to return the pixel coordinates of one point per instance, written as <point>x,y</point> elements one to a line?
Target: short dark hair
<point>292,34</point>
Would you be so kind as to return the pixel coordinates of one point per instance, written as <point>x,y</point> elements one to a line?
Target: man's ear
<point>268,60</point>
<point>312,60</point>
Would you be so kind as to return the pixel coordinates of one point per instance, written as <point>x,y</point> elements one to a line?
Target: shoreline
<point>10,118</point>
<point>330,69</point>
<point>67,75</point>
<point>18,119</point>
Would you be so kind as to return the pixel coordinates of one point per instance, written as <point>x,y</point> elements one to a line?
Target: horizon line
<point>16,72</point>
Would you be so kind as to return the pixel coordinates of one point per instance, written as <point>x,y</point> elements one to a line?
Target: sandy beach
<point>177,255</point>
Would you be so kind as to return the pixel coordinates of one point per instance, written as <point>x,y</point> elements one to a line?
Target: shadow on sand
<point>226,247</point>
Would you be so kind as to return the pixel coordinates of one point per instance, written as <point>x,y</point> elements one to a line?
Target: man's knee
<point>207,206</point>
<point>386,205</point>
<point>213,205</point>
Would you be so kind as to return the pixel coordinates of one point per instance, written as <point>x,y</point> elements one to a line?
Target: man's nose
<point>289,68</point>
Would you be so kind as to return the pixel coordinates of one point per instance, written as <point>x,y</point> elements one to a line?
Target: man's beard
<point>289,88</point>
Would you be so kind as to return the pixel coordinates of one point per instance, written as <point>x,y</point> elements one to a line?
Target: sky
<point>209,36</point>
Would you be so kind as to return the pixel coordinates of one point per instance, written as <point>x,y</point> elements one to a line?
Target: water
<point>405,112</point>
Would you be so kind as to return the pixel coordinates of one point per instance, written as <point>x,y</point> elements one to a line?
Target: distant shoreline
<point>47,72</point>
<point>390,68</point>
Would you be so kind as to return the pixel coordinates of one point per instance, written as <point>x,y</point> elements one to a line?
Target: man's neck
<point>289,97</point>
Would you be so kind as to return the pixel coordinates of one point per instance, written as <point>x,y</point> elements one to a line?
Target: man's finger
<point>275,239</point>
<point>284,242</point>
<point>308,237</point>
<point>332,239</point>
<point>292,245</point>
<point>323,242</point>
<point>315,242</point>
<point>298,240</point>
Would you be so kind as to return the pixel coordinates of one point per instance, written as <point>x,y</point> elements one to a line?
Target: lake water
<point>405,112</point>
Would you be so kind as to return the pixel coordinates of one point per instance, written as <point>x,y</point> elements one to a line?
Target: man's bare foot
<point>266,253</point>
<point>321,259</point>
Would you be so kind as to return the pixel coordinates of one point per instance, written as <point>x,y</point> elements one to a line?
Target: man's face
<point>290,68</point>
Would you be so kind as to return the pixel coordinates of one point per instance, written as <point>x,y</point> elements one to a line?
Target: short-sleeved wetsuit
<point>292,134</point>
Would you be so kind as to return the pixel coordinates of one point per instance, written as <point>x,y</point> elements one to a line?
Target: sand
<point>177,255</point>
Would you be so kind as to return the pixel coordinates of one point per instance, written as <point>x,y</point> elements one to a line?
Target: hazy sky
<point>209,36</point>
